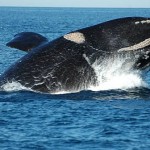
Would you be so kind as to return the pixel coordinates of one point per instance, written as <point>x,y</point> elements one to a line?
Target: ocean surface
<point>104,119</point>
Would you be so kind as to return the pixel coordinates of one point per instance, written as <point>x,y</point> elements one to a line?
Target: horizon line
<point>73,7</point>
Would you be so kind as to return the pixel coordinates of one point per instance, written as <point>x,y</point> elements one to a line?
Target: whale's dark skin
<point>61,64</point>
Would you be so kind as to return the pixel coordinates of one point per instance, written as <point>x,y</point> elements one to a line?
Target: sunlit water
<point>104,117</point>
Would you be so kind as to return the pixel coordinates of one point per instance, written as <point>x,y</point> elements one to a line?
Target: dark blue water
<point>111,119</point>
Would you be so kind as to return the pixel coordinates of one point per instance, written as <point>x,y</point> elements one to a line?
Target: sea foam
<point>116,73</point>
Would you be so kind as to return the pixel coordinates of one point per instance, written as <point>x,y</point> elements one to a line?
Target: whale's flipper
<point>26,41</point>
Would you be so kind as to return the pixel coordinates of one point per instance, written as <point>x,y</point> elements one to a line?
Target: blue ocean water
<point>91,120</point>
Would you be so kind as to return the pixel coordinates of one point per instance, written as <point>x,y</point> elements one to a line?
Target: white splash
<point>116,73</point>
<point>13,86</point>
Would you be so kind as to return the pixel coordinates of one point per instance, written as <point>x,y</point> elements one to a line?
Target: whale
<point>65,63</point>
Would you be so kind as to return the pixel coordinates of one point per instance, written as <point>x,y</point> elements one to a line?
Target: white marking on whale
<point>76,37</point>
<point>142,22</point>
<point>140,45</point>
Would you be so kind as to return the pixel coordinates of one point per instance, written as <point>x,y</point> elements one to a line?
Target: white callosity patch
<point>142,22</point>
<point>140,45</point>
<point>76,37</point>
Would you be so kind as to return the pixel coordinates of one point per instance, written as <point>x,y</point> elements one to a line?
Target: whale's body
<point>66,63</point>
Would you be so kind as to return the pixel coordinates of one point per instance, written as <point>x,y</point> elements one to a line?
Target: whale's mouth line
<point>141,51</point>
<point>142,48</point>
<point>137,46</point>
<point>139,55</point>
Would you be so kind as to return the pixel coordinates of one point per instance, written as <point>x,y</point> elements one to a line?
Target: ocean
<point>109,119</point>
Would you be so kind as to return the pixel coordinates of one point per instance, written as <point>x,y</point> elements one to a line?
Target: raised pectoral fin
<point>26,41</point>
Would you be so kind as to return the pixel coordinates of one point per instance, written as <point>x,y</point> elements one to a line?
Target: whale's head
<point>125,37</point>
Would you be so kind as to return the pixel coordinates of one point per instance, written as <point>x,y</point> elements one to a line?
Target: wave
<point>111,95</point>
